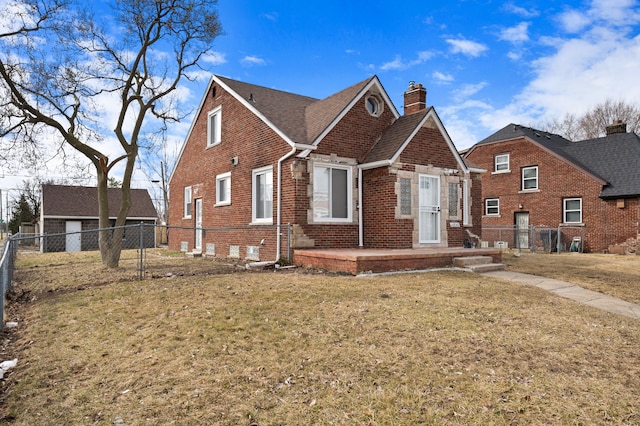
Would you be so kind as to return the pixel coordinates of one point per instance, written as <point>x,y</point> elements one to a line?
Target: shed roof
<point>82,202</point>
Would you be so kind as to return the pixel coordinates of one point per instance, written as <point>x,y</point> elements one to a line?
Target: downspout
<point>360,215</point>
<point>288,155</point>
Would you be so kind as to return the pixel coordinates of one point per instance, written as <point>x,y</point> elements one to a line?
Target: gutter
<point>294,148</point>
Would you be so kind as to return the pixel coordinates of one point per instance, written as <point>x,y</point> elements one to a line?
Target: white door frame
<point>198,221</point>
<point>522,230</point>
<point>73,238</point>
<point>429,209</point>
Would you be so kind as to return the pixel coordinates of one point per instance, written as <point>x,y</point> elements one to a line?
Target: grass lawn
<point>288,347</point>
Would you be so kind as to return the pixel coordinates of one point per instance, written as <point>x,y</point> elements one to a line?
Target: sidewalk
<point>572,291</point>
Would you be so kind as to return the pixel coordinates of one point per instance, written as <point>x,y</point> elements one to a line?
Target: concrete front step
<point>478,264</point>
<point>465,262</point>
<point>487,267</point>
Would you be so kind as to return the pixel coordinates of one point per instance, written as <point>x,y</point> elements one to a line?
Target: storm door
<point>429,209</point>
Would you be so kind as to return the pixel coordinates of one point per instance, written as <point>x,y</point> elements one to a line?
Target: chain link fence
<point>537,239</point>
<point>7,265</point>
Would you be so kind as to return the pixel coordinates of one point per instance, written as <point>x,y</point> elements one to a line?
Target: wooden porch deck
<point>360,260</point>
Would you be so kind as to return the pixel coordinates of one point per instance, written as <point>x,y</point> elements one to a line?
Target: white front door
<point>429,203</point>
<point>73,237</point>
<point>198,244</point>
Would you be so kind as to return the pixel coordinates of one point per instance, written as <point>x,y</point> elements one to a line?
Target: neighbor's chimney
<point>617,127</point>
<point>415,98</point>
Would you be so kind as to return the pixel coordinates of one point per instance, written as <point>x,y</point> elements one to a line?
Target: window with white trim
<point>374,105</point>
<point>492,206</point>
<point>262,195</point>
<point>501,163</point>
<point>332,193</point>
<point>187,202</point>
<point>572,210</point>
<point>214,127</point>
<point>529,178</point>
<point>466,207</point>
<point>223,189</point>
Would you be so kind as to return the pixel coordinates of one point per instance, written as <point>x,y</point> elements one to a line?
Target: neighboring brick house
<point>541,179</point>
<point>346,171</point>
<point>73,210</point>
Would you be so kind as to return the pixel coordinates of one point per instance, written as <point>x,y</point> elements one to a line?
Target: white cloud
<point>399,64</point>
<point>574,21</point>
<point>441,77</point>
<point>467,90</point>
<point>521,11</point>
<point>250,61</point>
<point>271,16</point>
<point>352,52</point>
<point>214,58</point>
<point>467,47</point>
<point>517,34</point>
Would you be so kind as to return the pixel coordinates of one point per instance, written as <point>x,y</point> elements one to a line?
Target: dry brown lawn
<point>294,347</point>
<point>614,275</point>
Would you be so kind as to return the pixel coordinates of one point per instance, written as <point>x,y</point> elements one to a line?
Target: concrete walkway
<point>572,291</point>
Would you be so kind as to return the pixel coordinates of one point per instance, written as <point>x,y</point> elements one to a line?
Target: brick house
<point>73,210</point>
<point>541,179</point>
<point>346,171</point>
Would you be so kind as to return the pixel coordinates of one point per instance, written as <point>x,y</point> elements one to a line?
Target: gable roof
<point>612,160</point>
<point>284,110</point>
<point>64,201</point>
<point>400,133</point>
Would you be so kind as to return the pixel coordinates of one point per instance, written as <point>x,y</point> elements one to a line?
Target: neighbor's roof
<point>82,201</point>
<point>614,158</point>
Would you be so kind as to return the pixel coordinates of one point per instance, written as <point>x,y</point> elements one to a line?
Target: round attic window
<point>374,105</point>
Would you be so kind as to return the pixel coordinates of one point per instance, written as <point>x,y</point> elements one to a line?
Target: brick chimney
<point>415,98</point>
<point>617,127</point>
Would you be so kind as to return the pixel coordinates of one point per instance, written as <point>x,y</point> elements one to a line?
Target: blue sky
<point>484,63</point>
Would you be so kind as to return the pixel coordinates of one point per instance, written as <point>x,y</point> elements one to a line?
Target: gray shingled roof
<point>615,158</point>
<point>82,201</point>
<point>395,136</point>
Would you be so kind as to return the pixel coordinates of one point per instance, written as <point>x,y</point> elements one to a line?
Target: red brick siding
<point>605,224</point>
<point>429,147</point>
<point>356,133</point>
<point>381,228</point>
<point>243,136</point>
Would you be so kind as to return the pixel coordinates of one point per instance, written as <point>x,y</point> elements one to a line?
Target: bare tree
<point>63,75</point>
<point>593,123</point>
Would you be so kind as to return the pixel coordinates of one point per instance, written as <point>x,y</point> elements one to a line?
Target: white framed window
<point>374,105</point>
<point>332,193</point>
<point>492,206</point>
<point>223,189</point>
<point>572,210</point>
<point>214,127</point>
<point>262,195</point>
<point>529,178</point>
<point>501,163</point>
<point>466,207</point>
<point>187,202</point>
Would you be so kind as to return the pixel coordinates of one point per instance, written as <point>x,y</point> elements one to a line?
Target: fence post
<point>141,248</point>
